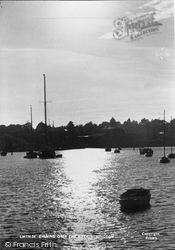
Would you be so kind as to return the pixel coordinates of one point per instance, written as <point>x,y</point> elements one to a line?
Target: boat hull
<point>148,154</point>
<point>135,199</point>
<point>145,150</point>
<point>116,150</point>
<point>59,155</point>
<point>164,159</point>
<point>171,155</point>
<point>31,155</point>
<point>3,153</point>
<point>46,154</point>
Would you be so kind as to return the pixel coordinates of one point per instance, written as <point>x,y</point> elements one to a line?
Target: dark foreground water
<point>72,202</point>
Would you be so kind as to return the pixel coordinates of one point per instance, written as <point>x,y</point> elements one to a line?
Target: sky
<point>90,75</point>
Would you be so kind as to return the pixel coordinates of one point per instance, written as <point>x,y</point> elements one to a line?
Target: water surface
<point>75,200</point>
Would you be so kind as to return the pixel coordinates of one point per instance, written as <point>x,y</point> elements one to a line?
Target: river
<point>71,203</point>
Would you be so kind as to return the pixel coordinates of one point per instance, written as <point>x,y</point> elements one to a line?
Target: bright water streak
<point>76,198</point>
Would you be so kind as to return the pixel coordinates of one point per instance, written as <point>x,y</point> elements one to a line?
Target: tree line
<point>107,134</point>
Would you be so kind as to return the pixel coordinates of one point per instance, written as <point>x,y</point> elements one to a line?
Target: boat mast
<point>171,137</point>
<point>31,127</point>
<point>164,132</point>
<point>45,111</point>
<point>148,134</point>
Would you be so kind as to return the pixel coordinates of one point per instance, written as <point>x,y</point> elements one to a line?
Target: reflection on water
<point>75,198</point>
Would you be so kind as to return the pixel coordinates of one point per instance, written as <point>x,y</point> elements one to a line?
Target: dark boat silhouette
<point>31,154</point>
<point>171,155</point>
<point>117,150</point>
<point>145,150</point>
<point>135,199</point>
<point>3,153</point>
<point>149,154</point>
<point>164,159</point>
<point>46,152</point>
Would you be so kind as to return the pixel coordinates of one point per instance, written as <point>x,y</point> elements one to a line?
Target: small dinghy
<point>135,199</point>
<point>145,150</point>
<point>107,149</point>
<point>164,159</point>
<point>31,154</point>
<point>117,150</point>
<point>3,153</point>
<point>171,155</point>
<point>149,154</point>
<point>58,155</point>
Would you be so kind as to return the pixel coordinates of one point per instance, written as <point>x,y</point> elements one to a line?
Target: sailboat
<point>164,159</point>
<point>171,155</point>
<point>47,152</point>
<point>149,152</point>
<point>31,154</point>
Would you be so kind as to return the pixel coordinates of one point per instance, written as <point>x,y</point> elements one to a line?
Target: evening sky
<point>90,75</point>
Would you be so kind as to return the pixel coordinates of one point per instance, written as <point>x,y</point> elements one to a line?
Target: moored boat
<point>135,199</point>
<point>31,154</point>
<point>145,150</point>
<point>47,152</point>
<point>164,159</point>
<point>58,155</point>
<point>171,155</point>
<point>117,150</point>
<point>3,153</point>
<point>149,154</point>
<point>107,149</point>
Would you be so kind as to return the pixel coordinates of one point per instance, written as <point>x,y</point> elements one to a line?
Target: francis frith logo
<point>135,27</point>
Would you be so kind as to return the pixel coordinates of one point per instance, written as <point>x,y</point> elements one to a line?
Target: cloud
<point>163,8</point>
<point>152,3</point>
